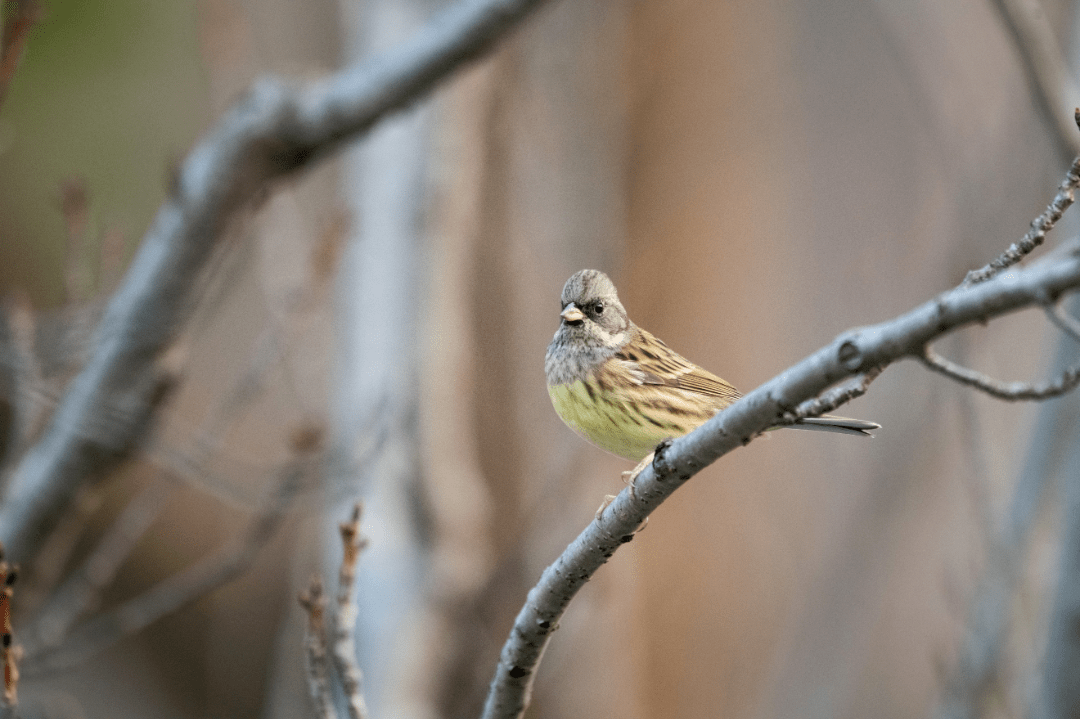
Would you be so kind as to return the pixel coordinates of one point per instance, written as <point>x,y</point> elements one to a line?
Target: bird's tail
<point>843,425</point>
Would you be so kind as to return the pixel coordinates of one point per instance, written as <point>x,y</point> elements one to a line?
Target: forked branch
<point>336,643</point>
<point>1012,391</point>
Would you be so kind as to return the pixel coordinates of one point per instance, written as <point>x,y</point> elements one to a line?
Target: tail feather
<point>843,425</point>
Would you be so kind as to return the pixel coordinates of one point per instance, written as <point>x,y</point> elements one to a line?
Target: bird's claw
<point>631,476</point>
<point>608,499</point>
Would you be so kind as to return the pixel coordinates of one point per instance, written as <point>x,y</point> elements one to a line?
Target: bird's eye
<point>598,308</point>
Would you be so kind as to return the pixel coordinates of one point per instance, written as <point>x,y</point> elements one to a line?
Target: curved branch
<point>1011,391</point>
<point>276,130</point>
<point>854,352</point>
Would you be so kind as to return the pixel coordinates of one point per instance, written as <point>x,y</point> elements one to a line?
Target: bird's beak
<point>572,313</point>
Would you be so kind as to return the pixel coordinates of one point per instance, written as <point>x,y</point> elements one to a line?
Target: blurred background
<point>755,177</point>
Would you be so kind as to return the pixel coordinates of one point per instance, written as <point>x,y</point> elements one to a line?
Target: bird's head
<point>591,311</point>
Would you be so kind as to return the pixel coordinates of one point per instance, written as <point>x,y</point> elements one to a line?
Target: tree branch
<point>276,130</point>
<point>1064,382</point>
<point>853,352</point>
<point>315,650</point>
<point>830,400</point>
<point>1042,224</point>
<point>343,649</point>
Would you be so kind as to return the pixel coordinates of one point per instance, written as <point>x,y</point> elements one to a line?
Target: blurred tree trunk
<point>381,290</point>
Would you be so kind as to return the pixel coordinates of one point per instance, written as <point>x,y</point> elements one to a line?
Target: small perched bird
<point>623,389</point>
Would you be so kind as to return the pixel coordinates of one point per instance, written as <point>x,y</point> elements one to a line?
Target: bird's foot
<point>608,499</point>
<point>632,475</point>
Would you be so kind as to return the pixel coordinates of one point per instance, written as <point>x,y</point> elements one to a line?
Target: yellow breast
<point>620,425</point>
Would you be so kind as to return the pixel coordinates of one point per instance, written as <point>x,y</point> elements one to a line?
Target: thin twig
<point>344,622</point>
<point>315,650</point>
<point>831,399</point>
<point>1012,391</point>
<point>1039,227</point>
<point>850,354</point>
<point>275,131</point>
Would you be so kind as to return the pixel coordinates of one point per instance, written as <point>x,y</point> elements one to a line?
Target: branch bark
<point>853,352</point>
<point>343,647</point>
<point>316,653</point>
<point>275,131</point>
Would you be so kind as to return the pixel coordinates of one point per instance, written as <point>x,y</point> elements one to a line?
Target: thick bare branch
<point>853,352</point>
<point>276,130</point>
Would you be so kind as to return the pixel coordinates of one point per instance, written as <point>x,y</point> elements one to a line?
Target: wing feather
<point>654,363</point>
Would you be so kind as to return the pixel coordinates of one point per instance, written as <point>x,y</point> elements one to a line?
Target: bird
<point>624,390</point>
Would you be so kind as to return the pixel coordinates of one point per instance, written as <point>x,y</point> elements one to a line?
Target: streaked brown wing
<point>656,364</point>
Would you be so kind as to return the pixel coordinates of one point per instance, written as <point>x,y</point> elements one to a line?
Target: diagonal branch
<point>1042,224</point>
<point>854,352</point>
<point>275,131</point>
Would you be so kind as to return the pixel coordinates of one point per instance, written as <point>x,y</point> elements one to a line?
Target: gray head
<point>594,327</point>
